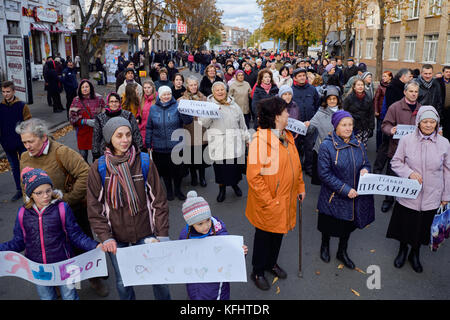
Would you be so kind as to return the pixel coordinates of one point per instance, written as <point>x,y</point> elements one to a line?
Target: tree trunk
<point>147,56</point>
<point>348,34</point>
<point>380,43</point>
<point>84,56</point>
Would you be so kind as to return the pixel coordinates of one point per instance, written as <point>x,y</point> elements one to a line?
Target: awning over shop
<point>60,29</point>
<point>39,27</point>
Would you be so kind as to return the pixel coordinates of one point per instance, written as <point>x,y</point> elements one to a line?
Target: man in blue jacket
<point>69,80</point>
<point>307,100</point>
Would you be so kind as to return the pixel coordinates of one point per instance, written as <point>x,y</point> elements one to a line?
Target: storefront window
<point>37,49</point>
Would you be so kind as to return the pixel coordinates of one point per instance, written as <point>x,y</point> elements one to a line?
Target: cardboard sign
<point>403,130</point>
<point>389,186</point>
<point>202,109</point>
<point>296,126</point>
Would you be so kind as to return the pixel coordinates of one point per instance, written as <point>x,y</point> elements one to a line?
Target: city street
<point>367,247</point>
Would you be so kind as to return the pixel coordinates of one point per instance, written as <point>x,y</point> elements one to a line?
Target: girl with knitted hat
<point>200,224</point>
<point>41,233</point>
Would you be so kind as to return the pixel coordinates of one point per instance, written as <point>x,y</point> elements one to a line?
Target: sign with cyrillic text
<point>296,126</point>
<point>389,186</point>
<point>403,130</point>
<point>202,109</point>
<point>210,259</point>
<point>91,264</point>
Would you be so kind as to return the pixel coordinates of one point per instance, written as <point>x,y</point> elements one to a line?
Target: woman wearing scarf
<point>360,105</point>
<point>240,90</point>
<point>148,99</point>
<point>342,159</point>
<point>227,137</point>
<point>423,155</point>
<point>85,107</point>
<point>197,139</point>
<point>265,88</point>
<point>208,79</point>
<point>113,109</point>
<point>124,209</point>
<point>283,78</point>
<point>163,120</point>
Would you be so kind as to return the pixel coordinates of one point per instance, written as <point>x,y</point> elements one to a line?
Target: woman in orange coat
<point>275,182</point>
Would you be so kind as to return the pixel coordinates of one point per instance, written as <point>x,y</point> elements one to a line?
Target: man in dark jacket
<point>54,87</point>
<point>12,112</point>
<point>69,80</point>
<point>44,71</point>
<point>307,100</point>
<point>445,95</point>
<point>429,89</point>
<point>350,71</point>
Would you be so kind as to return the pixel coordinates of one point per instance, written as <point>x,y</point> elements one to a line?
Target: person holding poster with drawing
<point>423,156</point>
<point>40,231</point>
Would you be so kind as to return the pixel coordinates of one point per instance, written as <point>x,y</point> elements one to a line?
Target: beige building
<point>418,33</point>
<point>235,37</point>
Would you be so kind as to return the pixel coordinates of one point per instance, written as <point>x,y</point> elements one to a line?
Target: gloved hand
<point>90,122</point>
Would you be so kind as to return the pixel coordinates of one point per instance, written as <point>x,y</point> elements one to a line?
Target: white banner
<point>389,186</point>
<point>87,265</point>
<point>195,108</point>
<point>210,259</point>
<point>403,130</point>
<point>296,126</point>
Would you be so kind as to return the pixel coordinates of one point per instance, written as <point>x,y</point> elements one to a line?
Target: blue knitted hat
<point>33,178</point>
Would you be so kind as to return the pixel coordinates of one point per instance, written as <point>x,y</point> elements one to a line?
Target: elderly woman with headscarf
<point>227,137</point>
<point>240,90</point>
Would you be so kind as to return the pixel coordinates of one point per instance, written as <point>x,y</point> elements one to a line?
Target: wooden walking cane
<point>300,275</point>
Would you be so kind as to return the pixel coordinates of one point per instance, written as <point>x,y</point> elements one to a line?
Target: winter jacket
<point>240,91</point>
<point>398,113</point>
<point>379,97</point>
<point>54,84</point>
<point>72,162</point>
<point>322,122</point>
<point>210,290</point>
<point>45,240</point>
<point>251,77</point>
<point>69,80</point>
<point>394,92</point>
<point>274,175</point>
<point>428,157</point>
<point>361,111</point>
<point>98,142</point>
<point>339,165</point>
<point>228,134</point>
<point>109,223</point>
<point>146,104</point>
<point>160,83</point>
<point>431,96</point>
<point>163,120</point>
<point>307,99</point>
<point>11,114</point>
<point>280,81</point>
<point>81,110</point>
<point>172,72</point>
<point>259,94</point>
<point>206,85</point>
<point>350,72</point>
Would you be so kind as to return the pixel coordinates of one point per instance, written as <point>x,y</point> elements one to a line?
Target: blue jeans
<point>197,67</point>
<point>14,161</point>
<point>49,293</point>
<point>202,69</point>
<point>161,291</point>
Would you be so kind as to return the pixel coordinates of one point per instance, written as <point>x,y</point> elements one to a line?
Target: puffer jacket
<point>339,165</point>
<point>322,122</point>
<point>163,120</point>
<point>274,175</point>
<point>307,100</point>
<point>259,94</point>
<point>431,96</point>
<point>212,290</point>
<point>428,157</point>
<point>45,238</point>
<point>11,114</point>
<point>361,111</point>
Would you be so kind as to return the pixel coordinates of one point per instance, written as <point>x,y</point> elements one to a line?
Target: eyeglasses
<point>41,193</point>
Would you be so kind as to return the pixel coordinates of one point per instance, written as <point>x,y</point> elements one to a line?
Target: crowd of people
<point>120,197</point>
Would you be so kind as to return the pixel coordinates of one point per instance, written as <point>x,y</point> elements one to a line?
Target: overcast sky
<point>240,13</point>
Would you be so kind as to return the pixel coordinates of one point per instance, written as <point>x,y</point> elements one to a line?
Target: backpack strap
<point>62,216</point>
<point>20,216</point>
<point>102,168</point>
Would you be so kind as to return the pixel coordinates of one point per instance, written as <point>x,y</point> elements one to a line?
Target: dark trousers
<point>381,159</point>
<point>305,146</point>
<point>379,134</point>
<point>266,247</point>
<point>69,98</point>
<point>56,97</point>
<point>14,161</point>
<point>390,172</point>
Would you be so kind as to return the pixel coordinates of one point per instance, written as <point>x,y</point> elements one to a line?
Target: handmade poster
<point>210,259</point>
<point>388,185</point>
<point>202,109</point>
<point>403,130</point>
<point>296,126</point>
<point>87,265</point>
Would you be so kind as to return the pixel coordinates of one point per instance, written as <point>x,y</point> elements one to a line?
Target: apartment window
<point>430,48</point>
<point>447,59</point>
<point>393,48</point>
<point>410,48</point>
<point>397,13</point>
<point>435,7</point>
<point>369,48</point>
<point>413,9</point>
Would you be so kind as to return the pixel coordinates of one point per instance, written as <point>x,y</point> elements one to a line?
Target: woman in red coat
<point>85,106</point>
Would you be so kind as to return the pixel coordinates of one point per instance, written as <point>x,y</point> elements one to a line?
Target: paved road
<point>320,280</point>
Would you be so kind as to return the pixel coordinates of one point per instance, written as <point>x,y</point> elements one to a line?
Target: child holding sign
<point>45,228</point>
<point>201,224</point>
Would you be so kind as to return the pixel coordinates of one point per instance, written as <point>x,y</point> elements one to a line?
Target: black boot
<point>222,193</point>
<point>201,174</point>
<point>237,190</point>
<point>169,189</point>
<point>178,192</point>
<point>325,248</point>
<point>56,110</point>
<point>402,254</point>
<point>194,180</point>
<point>342,253</point>
<point>414,260</point>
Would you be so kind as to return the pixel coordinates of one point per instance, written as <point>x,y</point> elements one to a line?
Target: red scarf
<point>361,95</point>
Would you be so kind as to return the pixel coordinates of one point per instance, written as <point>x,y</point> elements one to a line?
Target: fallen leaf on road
<point>318,272</point>
<point>359,270</point>
<point>278,290</point>
<point>372,251</point>
<point>356,293</point>
<point>341,266</point>
<point>274,280</point>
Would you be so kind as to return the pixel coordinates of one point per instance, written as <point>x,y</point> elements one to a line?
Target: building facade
<point>235,37</point>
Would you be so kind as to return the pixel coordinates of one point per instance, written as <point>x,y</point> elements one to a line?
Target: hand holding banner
<point>296,126</point>
<point>195,108</point>
<point>388,185</point>
<point>403,130</point>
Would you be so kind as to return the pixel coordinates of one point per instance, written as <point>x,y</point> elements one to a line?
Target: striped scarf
<point>121,180</point>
